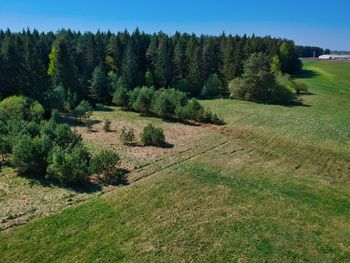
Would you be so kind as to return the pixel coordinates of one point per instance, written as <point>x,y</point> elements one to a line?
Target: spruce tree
<point>99,87</point>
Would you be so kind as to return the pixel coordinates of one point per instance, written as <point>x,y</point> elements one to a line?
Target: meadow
<point>272,185</point>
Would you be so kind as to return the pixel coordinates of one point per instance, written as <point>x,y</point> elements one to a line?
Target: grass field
<point>273,185</point>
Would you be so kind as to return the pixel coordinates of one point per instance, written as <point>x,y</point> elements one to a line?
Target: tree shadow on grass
<point>87,188</point>
<point>74,122</point>
<point>103,108</point>
<point>305,74</point>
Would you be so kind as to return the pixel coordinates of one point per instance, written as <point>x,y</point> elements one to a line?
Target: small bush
<point>83,111</point>
<point>105,164</point>
<point>55,115</point>
<point>213,87</point>
<point>127,137</point>
<point>143,101</point>
<point>65,137</point>
<point>120,97</point>
<point>300,87</point>
<point>89,123</point>
<point>69,166</point>
<point>152,136</point>
<point>5,146</point>
<point>29,155</point>
<point>107,125</point>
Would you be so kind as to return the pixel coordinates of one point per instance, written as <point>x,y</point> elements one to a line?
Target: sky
<point>322,23</point>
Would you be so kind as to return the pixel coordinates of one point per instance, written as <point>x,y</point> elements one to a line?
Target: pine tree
<point>99,87</point>
<point>62,71</point>
<point>130,67</point>
<point>212,58</point>
<point>163,66</point>
<point>179,59</point>
<point>194,75</point>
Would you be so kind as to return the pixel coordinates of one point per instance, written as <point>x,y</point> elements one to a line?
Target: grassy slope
<point>275,187</point>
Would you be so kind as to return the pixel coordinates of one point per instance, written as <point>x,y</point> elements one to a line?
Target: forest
<point>61,69</point>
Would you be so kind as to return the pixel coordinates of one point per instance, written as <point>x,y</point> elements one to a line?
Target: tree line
<point>309,52</point>
<point>61,69</point>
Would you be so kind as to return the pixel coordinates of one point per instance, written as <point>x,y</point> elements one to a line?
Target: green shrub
<point>300,87</point>
<point>192,110</point>
<point>213,87</point>
<point>143,101</point>
<point>105,164</point>
<point>132,96</point>
<point>89,123</point>
<point>56,98</point>
<point>31,128</point>
<point>65,137</point>
<point>69,166</point>
<point>164,105</point>
<point>152,136</point>
<point>5,146</point>
<point>107,125</point>
<point>127,137</point>
<point>21,108</point>
<point>55,115</point>
<point>48,128</point>
<point>83,111</point>
<point>121,97</point>
<point>29,155</point>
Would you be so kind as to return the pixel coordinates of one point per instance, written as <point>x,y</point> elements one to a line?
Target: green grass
<point>272,187</point>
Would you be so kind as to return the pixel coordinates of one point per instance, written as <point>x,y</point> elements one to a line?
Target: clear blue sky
<point>322,23</point>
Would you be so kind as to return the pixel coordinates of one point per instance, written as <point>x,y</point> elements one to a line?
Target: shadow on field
<point>306,74</point>
<point>103,108</point>
<point>74,122</point>
<point>87,188</point>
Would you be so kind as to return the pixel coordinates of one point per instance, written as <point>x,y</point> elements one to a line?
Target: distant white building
<point>335,57</point>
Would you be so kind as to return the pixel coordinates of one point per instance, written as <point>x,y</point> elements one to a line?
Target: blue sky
<point>309,22</point>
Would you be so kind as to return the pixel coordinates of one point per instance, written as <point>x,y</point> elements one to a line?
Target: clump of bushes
<point>41,148</point>
<point>105,164</point>
<point>152,136</point>
<point>70,166</point>
<point>167,103</point>
<point>21,108</point>
<point>127,136</point>
<point>193,110</point>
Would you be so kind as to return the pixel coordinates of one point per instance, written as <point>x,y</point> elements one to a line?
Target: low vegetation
<point>127,136</point>
<point>152,136</point>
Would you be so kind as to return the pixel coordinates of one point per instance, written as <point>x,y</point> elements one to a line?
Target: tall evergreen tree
<point>163,66</point>
<point>212,58</point>
<point>99,86</point>
<point>130,67</point>
<point>194,75</point>
<point>62,71</point>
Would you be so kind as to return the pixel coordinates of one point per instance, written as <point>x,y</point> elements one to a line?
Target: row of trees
<point>309,52</point>
<point>164,103</point>
<point>61,69</point>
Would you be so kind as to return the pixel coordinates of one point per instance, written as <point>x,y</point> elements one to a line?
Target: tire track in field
<point>170,161</point>
<point>318,161</point>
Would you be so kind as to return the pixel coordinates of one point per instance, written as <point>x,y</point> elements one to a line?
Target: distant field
<point>271,185</point>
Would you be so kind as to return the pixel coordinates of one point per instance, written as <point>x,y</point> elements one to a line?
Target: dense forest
<point>68,67</point>
<point>309,52</point>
